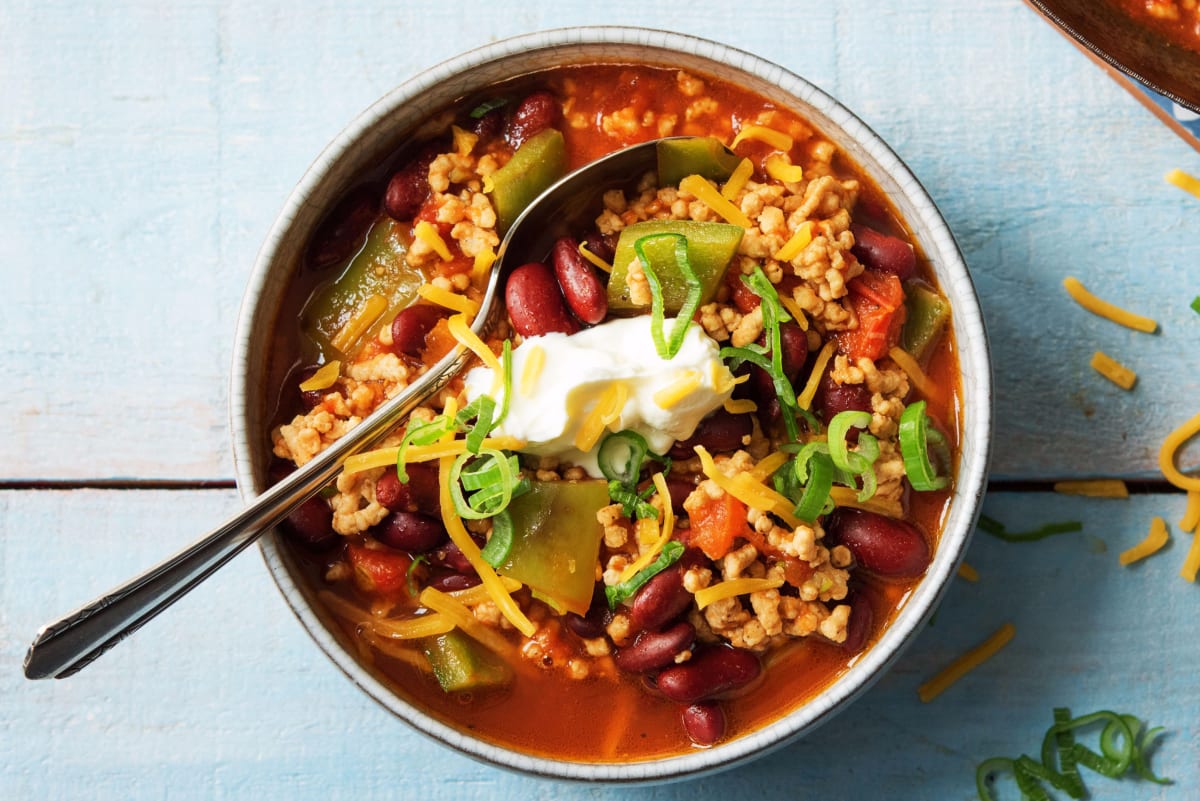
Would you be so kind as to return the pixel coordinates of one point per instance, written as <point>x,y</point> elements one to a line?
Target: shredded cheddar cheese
<point>795,245</point>
<point>967,572</point>
<point>356,326</point>
<point>464,618</point>
<point>414,628</point>
<point>781,168</point>
<point>916,376</point>
<point>734,588</point>
<point>769,464</point>
<point>459,536</point>
<point>472,596</point>
<point>593,258</point>
<point>1094,488</point>
<point>607,410</point>
<point>451,300</point>
<point>1154,541</point>
<point>464,141</point>
<point>655,540</point>
<point>1113,370</point>
<point>761,133</point>
<point>1188,183</point>
<point>1191,516</point>
<point>740,406</point>
<point>323,378</point>
<point>670,395</point>
<point>1191,563</point>
<point>484,260</point>
<point>737,180</point>
<point>794,309</point>
<point>1166,455</point>
<point>425,232</point>
<point>703,191</point>
<point>460,329</point>
<point>966,663</point>
<point>383,457</point>
<point>535,362</point>
<point>845,496</point>
<point>746,489</point>
<point>805,399</point>
<point>1107,310</point>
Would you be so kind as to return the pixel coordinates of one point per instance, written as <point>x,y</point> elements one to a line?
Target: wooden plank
<point>146,151</point>
<point>225,696</point>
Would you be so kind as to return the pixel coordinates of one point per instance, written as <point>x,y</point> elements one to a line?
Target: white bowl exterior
<point>399,114</point>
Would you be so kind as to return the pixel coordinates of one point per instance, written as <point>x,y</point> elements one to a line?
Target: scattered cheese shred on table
<point>967,572</point>
<point>1093,488</point>
<point>966,663</point>
<point>1166,455</point>
<point>1107,310</point>
<point>1155,539</point>
<point>1191,516</point>
<point>1113,370</point>
<point>1188,183</point>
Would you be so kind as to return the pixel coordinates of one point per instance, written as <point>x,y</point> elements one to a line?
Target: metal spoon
<point>68,645</point>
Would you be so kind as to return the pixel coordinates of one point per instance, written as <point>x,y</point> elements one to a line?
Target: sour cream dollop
<point>548,407</point>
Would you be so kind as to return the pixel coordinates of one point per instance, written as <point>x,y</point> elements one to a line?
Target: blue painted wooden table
<point>145,149</point>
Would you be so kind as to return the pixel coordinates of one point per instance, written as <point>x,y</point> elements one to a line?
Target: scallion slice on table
<point>997,529</point>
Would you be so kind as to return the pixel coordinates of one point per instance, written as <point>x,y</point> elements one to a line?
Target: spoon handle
<point>68,645</point>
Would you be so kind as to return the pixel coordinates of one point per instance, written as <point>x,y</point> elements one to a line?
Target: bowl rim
<point>977,423</point>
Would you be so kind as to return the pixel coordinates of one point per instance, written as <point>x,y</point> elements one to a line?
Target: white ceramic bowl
<point>377,132</point>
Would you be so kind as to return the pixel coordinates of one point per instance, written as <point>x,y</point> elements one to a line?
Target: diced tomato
<point>716,524</point>
<point>878,302</point>
<point>377,571</point>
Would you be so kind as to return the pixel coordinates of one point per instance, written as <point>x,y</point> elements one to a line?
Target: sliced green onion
<point>621,455</point>
<point>619,593</point>
<point>997,529</point>
<point>1196,304</point>
<point>506,360</point>
<point>1026,783</point>
<point>1064,745</point>
<point>986,770</point>
<point>488,501</point>
<point>420,433</point>
<point>816,491</point>
<point>410,578</point>
<point>476,419</point>
<point>1139,756</point>
<point>668,346</point>
<point>634,504</point>
<point>915,438</point>
<point>839,449</point>
<point>488,105</point>
<point>773,314</point>
<point>499,545</point>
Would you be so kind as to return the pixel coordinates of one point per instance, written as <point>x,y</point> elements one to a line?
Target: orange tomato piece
<point>878,301</point>
<point>716,524</point>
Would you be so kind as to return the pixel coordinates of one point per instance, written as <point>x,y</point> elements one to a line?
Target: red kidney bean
<point>420,494</point>
<point>652,650</point>
<point>489,126</point>
<point>409,531</point>
<point>580,285</point>
<point>885,253</point>
<point>761,389</point>
<point>591,625</point>
<point>833,398</point>
<point>794,344</point>
<point>661,600</point>
<point>450,556</point>
<point>883,545</point>
<point>680,489</point>
<point>603,246</point>
<point>311,524</point>
<point>862,621</point>
<point>535,304</point>
<point>451,582</point>
<point>409,187</point>
<point>310,398</point>
<point>704,722</point>
<point>412,325</point>
<point>742,296</point>
<point>344,230</point>
<point>534,114</point>
<point>720,432</point>
<point>709,673</point>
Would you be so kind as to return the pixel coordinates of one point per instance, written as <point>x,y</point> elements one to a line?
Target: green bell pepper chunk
<point>710,245</point>
<point>699,155</point>
<point>459,663</point>
<point>379,268</point>
<point>556,541</point>
<point>928,313</point>
<point>539,162</point>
